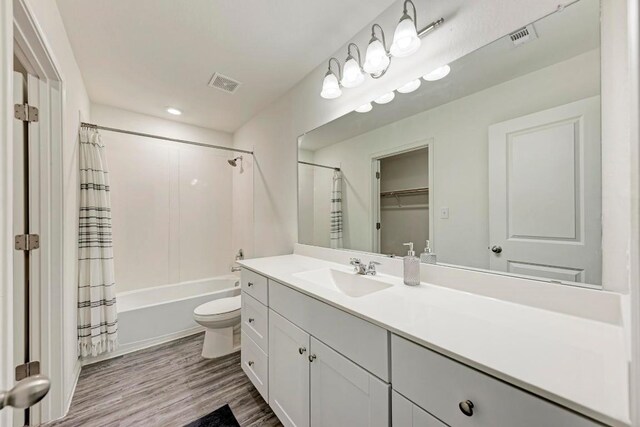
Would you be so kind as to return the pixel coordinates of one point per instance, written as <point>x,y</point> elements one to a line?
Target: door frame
<point>22,36</point>
<point>429,144</point>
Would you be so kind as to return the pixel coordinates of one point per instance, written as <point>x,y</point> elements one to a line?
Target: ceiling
<point>146,55</point>
<point>561,36</point>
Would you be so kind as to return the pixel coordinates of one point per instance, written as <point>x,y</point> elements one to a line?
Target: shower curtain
<point>336,211</point>
<point>97,316</point>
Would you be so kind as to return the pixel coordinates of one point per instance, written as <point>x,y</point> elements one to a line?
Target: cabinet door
<point>406,414</point>
<point>288,371</point>
<point>344,394</point>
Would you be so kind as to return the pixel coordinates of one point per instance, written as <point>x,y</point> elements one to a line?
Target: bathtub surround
<point>97,315</point>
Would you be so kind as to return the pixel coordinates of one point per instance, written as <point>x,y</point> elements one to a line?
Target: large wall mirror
<point>497,164</point>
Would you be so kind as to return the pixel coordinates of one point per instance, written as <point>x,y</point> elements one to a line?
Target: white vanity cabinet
<point>319,366</point>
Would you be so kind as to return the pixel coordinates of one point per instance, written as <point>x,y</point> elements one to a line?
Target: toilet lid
<point>218,306</point>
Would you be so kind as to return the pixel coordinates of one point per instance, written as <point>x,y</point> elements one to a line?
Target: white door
<point>288,371</point>
<point>545,194</point>
<point>344,394</point>
<point>19,227</point>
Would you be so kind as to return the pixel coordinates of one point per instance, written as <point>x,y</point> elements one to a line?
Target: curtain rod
<point>320,166</point>
<point>164,138</point>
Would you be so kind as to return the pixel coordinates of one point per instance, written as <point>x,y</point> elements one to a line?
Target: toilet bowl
<point>218,317</point>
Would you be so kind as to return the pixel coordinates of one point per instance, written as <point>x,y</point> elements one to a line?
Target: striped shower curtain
<point>336,211</point>
<point>97,316</point>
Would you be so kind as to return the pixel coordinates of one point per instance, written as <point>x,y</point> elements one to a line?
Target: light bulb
<point>365,108</point>
<point>410,87</point>
<point>437,74</point>
<point>386,98</point>
<point>173,111</point>
<point>351,73</point>
<point>376,59</point>
<point>405,38</point>
<point>330,86</point>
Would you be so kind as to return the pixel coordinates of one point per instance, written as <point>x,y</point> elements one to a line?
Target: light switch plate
<point>444,213</point>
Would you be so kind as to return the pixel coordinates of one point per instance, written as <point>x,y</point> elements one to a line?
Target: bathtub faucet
<point>235,268</point>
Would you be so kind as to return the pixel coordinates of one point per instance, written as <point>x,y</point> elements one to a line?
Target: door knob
<point>26,392</point>
<point>496,249</point>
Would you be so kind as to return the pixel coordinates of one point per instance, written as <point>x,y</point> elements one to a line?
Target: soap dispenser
<point>411,267</point>
<point>427,256</point>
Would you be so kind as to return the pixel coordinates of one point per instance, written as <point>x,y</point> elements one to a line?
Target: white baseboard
<point>141,345</point>
<point>76,376</point>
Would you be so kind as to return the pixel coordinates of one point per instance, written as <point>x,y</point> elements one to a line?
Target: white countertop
<point>577,362</point>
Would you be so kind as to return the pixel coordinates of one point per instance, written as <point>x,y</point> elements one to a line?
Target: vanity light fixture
<point>437,74</point>
<point>385,99</point>
<point>410,87</point>
<point>405,38</point>
<point>331,83</point>
<point>174,111</point>
<point>365,108</point>
<point>352,73</point>
<point>377,59</point>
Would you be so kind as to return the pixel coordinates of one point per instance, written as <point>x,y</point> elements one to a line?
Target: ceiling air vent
<point>523,35</point>
<point>224,83</point>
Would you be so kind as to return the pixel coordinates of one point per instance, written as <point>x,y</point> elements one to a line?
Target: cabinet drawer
<point>364,343</point>
<point>255,285</point>
<point>406,414</point>
<point>439,384</point>
<point>255,321</point>
<point>255,363</point>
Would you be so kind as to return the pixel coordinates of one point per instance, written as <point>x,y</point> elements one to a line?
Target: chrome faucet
<point>371,268</point>
<point>360,268</point>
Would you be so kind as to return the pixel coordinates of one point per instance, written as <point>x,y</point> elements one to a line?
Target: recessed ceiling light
<point>437,74</point>
<point>410,87</point>
<point>386,98</point>
<point>173,111</point>
<point>365,108</point>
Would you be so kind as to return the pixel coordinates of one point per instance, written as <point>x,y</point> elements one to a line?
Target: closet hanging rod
<point>320,166</point>
<point>406,192</point>
<point>164,138</point>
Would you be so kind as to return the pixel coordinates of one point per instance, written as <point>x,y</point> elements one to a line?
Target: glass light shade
<point>437,74</point>
<point>405,38</point>
<point>351,73</point>
<point>174,111</point>
<point>386,98</point>
<point>376,59</point>
<point>365,108</point>
<point>330,86</point>
<point>410,87</point>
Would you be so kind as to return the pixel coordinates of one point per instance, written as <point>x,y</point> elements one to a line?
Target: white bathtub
<point>155,315</point>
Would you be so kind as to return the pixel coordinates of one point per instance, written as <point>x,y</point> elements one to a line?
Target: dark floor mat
<point>221,417</point>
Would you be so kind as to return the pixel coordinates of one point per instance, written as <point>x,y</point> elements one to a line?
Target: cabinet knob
<point>301,350</point>
<point>251,320</point>
<point>249,284</point>
<point>250,363</point>
<point>466,407</point>
<point>312,357</point>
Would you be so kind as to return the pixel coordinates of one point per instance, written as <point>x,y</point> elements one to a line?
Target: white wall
<point>459,131</point>
<point>171,202</point>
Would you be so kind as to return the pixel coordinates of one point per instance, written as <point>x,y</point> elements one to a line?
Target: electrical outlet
<point>444,213</point>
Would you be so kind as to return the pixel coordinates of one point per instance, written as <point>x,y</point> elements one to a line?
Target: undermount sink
<point>350,284</point>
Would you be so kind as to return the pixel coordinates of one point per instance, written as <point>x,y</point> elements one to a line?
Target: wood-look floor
<point>167,385</point>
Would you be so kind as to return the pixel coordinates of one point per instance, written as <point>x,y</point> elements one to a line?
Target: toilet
<point>219,318</point>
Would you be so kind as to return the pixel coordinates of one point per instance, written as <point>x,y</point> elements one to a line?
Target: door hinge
<point>378,226</point>
<point>27,370</point>
<point>27,242</point>
<point>25,112</point>
<point>377,175</point>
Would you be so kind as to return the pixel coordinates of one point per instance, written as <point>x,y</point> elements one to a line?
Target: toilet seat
<point>220,309</point>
